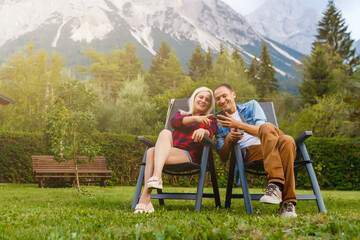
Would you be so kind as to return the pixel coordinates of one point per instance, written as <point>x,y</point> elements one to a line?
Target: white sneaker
<point>273,195</point>
<point>287,209</point>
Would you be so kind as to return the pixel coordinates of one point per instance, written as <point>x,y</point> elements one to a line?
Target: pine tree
<point>197,64</point>
<point>253,71</point>
<point>227,70</point>
<point>222,48</point>
<point>165,68</point>
<point>223,61</point>
<point>129,65</point>
<point>333,32</point>
<point>236,56</point>
<point>267,72</point>
<point>318,78</point>
<point>173,71</point>
<point>209,63</point>
<point>160,58</point>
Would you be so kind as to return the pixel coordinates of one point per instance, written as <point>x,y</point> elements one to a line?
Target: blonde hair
<point>211,108</point>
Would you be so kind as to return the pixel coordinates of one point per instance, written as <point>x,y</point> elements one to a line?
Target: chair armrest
<point>303,137</point>
<point>208,140</point>
<point>146,141</point>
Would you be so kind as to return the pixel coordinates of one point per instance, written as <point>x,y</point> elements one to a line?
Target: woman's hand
<point>234,136</point>
<point>199,134</point>
<point>203,119</point>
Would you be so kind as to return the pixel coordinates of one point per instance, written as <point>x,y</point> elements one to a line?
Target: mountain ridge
<point>72,26</point>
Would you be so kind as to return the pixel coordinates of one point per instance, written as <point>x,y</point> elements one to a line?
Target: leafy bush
<point>16,149</point>
<point>123,155</point>
<point>335,161</point>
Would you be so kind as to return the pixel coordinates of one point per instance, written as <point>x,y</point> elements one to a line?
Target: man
<point>262,141</point>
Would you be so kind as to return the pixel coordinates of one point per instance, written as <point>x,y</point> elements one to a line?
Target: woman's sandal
<point>154,182</point>
<point>142,208</point>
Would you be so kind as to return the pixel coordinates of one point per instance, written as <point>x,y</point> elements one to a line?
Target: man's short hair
<point>224,85</point>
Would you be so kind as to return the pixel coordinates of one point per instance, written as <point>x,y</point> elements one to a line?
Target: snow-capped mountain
<point>91,19</point>
<point>288,22</point>
<point>71,26</point>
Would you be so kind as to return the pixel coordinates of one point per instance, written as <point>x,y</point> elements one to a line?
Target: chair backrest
<point>269,110</point>
<point>174,105</point>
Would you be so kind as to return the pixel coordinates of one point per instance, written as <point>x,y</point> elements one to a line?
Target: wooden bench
<point>45,167</point>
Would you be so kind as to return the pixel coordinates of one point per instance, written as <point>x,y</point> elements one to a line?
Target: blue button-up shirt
<point>253,114</point>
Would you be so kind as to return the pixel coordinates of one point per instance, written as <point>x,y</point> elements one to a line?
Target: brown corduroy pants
<point>277,151</point>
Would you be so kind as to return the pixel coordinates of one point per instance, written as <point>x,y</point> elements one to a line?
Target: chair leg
<point>139,182</point>
<point>313,179</point>
<point>200,188</point>
<point>230,182</point>
<point>244,183</point>
<point>161,201</point>
<point>214,182</point>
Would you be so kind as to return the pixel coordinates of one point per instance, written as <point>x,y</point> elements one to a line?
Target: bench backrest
<point>45,162</point>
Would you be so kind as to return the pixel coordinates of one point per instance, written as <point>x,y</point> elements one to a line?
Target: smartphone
<point>240,131</point>
<point>222,112</point>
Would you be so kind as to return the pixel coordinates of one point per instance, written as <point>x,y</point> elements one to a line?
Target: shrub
<point>335,161</point>
<point>16,149</point>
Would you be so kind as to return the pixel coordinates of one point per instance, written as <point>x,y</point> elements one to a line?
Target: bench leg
<point>73,181</point>
<point>102,182</point>
<point>41,183</point>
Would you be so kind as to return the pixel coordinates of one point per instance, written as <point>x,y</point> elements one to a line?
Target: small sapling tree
<point>70,125</point>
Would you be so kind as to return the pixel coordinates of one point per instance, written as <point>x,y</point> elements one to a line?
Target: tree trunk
<point>75,159</point>
<point>77,178</point>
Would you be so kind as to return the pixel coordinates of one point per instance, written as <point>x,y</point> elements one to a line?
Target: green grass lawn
<point>27,212</point>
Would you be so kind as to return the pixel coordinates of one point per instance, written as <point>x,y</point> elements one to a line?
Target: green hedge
<point>123,154</point>
<point>335,161</point>
<point>15,151</point>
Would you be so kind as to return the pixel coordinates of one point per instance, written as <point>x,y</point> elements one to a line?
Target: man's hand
<point>234,136</point>
<point>228,121</point>
<point>199,134</point>
<point>203,119</point>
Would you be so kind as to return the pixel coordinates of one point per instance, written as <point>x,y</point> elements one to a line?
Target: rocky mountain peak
<point>286,21</point>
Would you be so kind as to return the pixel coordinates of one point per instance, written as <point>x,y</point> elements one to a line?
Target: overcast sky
<point>350,10</point>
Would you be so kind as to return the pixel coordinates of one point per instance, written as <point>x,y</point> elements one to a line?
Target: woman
<point>183,145</point>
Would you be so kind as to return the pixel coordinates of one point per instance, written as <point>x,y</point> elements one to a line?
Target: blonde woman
<point>182,145</point>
